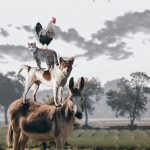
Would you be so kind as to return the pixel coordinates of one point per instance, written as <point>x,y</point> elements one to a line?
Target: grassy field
<point>99,139</point>
<point>111,139</point>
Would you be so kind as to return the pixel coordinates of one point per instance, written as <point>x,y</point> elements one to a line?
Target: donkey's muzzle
<point>78,115</point>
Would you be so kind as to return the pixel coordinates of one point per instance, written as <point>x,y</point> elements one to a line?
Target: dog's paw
<point>58,104</point>
<point>38,68</point>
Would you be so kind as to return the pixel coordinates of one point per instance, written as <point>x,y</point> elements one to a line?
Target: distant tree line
<point>10,89</point>
<point>129,101</point>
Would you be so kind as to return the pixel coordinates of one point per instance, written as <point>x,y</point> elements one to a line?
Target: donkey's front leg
<point>23,141</point>
<point>55,91</point>
<point>60,94</point>
<point>59,143</point>
<point>16,145</point>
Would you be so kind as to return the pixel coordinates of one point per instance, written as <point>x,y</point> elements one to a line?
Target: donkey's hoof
<point>8,144</point>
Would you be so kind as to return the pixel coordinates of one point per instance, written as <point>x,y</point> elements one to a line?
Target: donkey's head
<point>75,95</point>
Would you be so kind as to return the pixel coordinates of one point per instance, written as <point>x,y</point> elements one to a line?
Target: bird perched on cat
<point>46,35</point>
<point>49,56</point>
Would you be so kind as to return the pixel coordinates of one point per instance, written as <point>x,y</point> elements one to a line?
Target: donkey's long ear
<point>81,84</point>
<point>71,85</point>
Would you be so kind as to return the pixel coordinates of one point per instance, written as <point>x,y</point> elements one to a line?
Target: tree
<point>10,89</point>
<point>131,99</point>
<point>91,93</point>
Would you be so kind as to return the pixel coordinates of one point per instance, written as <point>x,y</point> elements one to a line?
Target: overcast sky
<point>110,37</point>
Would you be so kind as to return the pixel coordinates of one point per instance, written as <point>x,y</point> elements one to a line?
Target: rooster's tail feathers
<point>38,28</point>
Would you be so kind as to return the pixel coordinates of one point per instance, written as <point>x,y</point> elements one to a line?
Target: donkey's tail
<point>23,67</point>
<point>9,135</point>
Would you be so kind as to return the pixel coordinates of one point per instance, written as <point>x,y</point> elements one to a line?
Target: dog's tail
<point>23,67</point>
<point>9,135</point>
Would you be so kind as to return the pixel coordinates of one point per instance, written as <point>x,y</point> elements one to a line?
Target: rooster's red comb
<point>53,18</point>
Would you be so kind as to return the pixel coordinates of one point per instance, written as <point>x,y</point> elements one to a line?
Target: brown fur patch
<point>47,75</point>
<point>63,65</point>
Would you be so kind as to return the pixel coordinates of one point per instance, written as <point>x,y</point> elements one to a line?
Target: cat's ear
<point>34,44</point>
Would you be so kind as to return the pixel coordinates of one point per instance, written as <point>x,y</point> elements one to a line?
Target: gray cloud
<point>31,37</point>
<point>3,62</point>
<point>3,32</point>
<point>17,27</point>
<point>122,25</point>
<point>31,30</point>
<point>106,41</point>
<point>18,52</point>
<point>9,25</point>
<point>70,36</point>
<point>28,28</point>
<point>93,49</point>
<point>112,33</point>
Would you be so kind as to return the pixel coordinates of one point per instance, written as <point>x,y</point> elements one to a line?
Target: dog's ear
<point>81,84</point>
<point>71,60</point>
<point>61,59</point>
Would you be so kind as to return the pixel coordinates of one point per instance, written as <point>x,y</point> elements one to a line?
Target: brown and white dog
<point>55,78</point>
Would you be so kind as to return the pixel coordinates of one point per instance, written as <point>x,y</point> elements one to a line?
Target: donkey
<point>55,78</point>
<point>44,122</point>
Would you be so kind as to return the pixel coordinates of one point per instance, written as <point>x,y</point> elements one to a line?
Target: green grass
<point>125,139</point>
<point>104,139</point>
<point>141,139</point>
<point>111,139</point>
<point>3,132</point>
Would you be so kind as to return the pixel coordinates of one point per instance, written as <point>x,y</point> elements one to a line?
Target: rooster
<point>46,35</point>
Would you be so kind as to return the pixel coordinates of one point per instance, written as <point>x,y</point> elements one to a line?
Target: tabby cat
<point>49,56</point>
